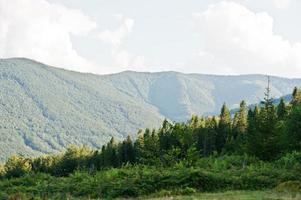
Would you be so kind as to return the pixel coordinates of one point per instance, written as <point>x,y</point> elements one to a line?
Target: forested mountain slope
<point>44,109</point>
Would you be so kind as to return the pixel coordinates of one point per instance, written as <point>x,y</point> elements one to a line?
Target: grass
<point>231,195</point>
<point>228,195</point>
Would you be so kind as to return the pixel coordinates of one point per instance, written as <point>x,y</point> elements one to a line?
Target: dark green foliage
<point>109,154</point>
<point>208,137</point>
<point>266,132</point>
<point>263,139</point>
<point>282,110</point>
<point>290,161</point>
<point>126,151</point>
<point>253,137</point>
<point>208,174</point>
<point>73,159</point>
<point>237,138</point>
<point>293,129</point>
<point>224,128</point>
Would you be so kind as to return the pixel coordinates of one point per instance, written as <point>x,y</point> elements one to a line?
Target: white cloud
<point>282,4</point>
<point>43,31</point>
<point>39,30</point>
<point>241,41</point>
<point>122,59</point>
<point>116,37</point>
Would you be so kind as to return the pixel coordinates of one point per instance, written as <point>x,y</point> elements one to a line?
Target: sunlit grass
<point>233,195</point>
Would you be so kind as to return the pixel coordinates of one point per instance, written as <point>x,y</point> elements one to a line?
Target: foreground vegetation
<point>257,149</point>
<point>209,174</point>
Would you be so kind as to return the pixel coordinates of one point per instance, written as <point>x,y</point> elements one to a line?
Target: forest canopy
<point>266,132</point>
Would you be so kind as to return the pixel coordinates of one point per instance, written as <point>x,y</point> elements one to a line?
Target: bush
<point>289,187</point>
<point>75,158</point>
<point>17,197</point>
<point>17,167</point>
<point>226,162</point>
<point>290,161</point>
<point>224,173</point>
<point>188,191</point>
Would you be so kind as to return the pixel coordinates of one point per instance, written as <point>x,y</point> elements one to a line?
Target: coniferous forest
<point>256,148</point>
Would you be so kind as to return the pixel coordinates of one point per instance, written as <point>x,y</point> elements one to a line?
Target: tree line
<point>266,131</point>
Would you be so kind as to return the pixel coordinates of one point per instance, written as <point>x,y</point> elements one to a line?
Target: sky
<point>193,36</point>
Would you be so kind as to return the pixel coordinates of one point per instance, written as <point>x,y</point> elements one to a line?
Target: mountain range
<point>44,109</point>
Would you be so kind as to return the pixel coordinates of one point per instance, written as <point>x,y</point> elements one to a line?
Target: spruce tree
<point>126,151</point>
<point>110,154</point>
<point>253,143</point>
<point>224,127</point>
<point>268,128</point>
<point>281,110</point>
<point>139,146</point>
<point>208,137</point>
<point>238,134</point>
<point>241,121</point>
<point>293,128</point>
<point>296,97</point>
<point>164,136</point>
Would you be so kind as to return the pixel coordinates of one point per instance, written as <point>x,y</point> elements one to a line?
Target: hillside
<point>45,109</point>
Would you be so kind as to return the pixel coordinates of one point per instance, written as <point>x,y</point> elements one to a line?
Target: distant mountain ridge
<point>44,109</point>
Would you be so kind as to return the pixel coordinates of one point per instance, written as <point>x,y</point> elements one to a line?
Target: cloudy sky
<point>194,36</point>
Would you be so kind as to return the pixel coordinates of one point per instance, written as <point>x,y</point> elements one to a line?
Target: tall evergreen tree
<point>139,146</point>
<point>240,121</point>
<point>293,123</point>
<point>281,110</point>
<point>126,151</point>
<point>164,136</point>
<point>293,130</point>
<point>253,142</point>
<point>236,141</point>
<point>224,127</point>
<point>268,128</point>
<point>207,137</point>
<point>296,97</point>
<point>110,154</point>
<point>240,125</point>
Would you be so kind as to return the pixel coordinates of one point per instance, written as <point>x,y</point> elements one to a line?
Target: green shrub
<point>188,191</point>
<point>141,180</point>
<point>17,166</point>
<point>226,162</point>
<point>289,187</point>
<point>290,161</point>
